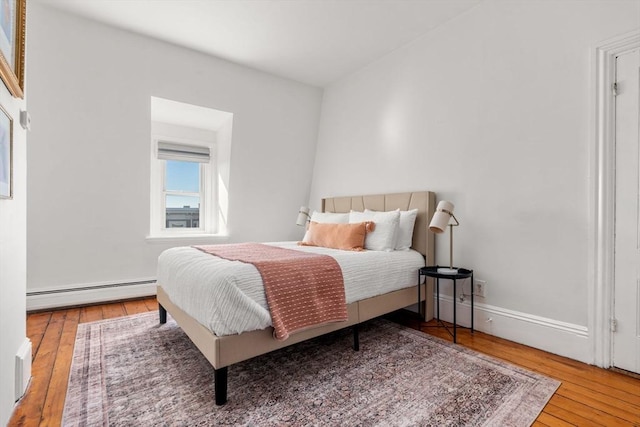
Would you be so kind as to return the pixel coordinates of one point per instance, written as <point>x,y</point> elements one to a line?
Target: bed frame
<point>223,351</point>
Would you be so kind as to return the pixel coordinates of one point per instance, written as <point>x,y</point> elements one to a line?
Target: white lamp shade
<point>303,215</point>
<point>442,217</point>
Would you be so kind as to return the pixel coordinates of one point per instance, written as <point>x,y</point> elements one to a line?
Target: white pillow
<point>383,237</point>
<point>330,217</point>
<point>405,230</point>
<point>326,218</point>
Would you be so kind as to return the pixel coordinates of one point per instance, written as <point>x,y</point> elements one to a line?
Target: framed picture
<point>6,155</point>
<point>12,34</point>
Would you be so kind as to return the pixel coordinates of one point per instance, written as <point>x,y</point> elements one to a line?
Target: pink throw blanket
<point>302,289</point>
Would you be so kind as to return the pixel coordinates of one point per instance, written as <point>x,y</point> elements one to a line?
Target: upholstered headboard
<point>424,201</point>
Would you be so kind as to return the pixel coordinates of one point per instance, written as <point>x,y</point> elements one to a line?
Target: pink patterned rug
<point>132,371</point>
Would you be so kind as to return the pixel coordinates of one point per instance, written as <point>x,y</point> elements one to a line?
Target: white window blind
<point>183,152</point>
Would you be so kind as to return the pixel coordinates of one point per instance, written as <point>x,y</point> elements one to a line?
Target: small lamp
<point>303,216</point>
<point>439,222</point>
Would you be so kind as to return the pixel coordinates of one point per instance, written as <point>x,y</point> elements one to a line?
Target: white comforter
<point>228,296</point>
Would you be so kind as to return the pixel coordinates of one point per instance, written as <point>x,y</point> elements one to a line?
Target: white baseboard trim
<point>23,368</point>
<point>564,339</point>
<point>39,299</point>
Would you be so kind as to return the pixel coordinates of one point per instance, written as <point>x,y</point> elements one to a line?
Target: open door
<point>626,322</point>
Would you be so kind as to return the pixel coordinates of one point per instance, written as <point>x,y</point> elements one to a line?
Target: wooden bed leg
<point>356,338</point>
<point>163,314</point>
<point>220,385</point>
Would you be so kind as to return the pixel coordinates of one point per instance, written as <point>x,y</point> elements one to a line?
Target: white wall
<point>13,260</point>
<point>492,111</point>
<point>89,156</point>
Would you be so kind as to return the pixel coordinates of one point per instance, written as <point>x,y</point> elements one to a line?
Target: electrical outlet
<point>480,288</point>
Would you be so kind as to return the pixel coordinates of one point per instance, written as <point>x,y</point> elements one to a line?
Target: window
<point>183,188</point>
<point>182,194</point>
<point>190,168</point>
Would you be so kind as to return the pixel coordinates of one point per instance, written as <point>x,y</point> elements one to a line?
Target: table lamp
<point>441,218</point>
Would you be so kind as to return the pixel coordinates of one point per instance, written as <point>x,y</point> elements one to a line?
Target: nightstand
<point>432,271</point>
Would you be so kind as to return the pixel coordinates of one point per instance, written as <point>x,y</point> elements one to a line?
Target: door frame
<point>600,293</point>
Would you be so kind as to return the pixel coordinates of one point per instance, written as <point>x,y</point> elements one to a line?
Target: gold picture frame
<point>6,155</point>
<point>12,34</point>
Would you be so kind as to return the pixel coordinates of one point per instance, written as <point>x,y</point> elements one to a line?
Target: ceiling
<point>311,41</point>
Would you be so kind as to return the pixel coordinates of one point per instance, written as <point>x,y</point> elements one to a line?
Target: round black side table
<point>432,271</point>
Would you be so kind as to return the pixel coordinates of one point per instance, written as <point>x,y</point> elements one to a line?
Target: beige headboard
<point>424,201</point>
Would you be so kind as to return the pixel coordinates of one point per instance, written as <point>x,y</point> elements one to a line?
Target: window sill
<point>190,238</point>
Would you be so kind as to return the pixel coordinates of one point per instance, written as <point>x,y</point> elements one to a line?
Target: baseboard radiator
<point>40,299</point>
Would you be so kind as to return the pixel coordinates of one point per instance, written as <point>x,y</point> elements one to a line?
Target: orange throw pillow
<point>349,237</point>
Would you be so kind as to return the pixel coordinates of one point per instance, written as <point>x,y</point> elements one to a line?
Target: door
<point>626,337</point>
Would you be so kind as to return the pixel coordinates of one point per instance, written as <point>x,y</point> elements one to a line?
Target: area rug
<point>132,371</point>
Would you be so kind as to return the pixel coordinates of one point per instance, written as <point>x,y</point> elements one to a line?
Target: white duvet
<point>228,297</point>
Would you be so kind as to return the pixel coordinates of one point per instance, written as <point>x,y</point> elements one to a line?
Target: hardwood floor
<point>588,396</point>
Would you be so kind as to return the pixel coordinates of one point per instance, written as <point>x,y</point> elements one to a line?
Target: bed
<point>222,351</point>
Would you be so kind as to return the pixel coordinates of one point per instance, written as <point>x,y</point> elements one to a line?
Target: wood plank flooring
<point>588,396</point>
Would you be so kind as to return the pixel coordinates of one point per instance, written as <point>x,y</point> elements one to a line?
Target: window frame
<point>200,195</point>
<point>208,192</point>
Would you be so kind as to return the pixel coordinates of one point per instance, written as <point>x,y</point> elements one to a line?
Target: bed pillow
<point>330,217</point>
<point>349,237</point>
<point>405,228</point>
<point>327,218</point>
<point>383,237</point>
